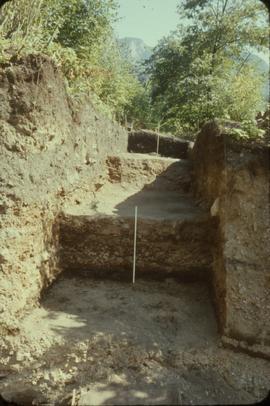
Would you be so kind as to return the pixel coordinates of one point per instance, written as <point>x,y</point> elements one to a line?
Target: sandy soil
<point>120,200</point>
<point>152,183</point>
<point>114,343</point>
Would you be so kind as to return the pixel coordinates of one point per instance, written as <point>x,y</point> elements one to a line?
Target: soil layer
<point>115,343</point>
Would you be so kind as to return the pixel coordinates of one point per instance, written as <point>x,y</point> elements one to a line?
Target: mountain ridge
<point>135,48</point>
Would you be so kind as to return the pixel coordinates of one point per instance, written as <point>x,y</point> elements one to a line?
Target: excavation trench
<point>96,338</point>
<point>174,235</point>
<point>67,216</point>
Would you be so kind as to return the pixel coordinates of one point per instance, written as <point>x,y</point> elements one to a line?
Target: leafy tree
<point>200,71</point>
<point>78,36</point>
<point>139,112</point>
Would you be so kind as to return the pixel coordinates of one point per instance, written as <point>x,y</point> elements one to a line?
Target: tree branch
<point>243,63</point>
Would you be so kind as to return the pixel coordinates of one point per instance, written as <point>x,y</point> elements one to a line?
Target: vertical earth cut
<point>232,180</point>
<point>52,152</point>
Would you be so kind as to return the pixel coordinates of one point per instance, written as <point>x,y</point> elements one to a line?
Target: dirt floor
<point>108,342</point>
<point>154,184</point>
<point>120,200</point>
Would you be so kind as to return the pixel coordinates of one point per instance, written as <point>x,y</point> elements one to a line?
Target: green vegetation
<point>202,70</point>
<point>199,72</point>
<point>78,36</point>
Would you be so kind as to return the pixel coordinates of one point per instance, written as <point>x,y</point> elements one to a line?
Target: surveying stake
<point>135,244</point>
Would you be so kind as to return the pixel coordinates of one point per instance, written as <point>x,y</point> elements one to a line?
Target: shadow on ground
<point>115,344</point>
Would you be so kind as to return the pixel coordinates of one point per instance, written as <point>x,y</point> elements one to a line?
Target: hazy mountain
<point>134,49</point>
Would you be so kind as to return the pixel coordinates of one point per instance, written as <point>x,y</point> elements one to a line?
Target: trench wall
<point>104,245</point>
<point>232,180</point>
<point>147,142</point>
<point>52,151</point>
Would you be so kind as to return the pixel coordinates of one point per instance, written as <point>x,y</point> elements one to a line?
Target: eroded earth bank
<point>195,327</point>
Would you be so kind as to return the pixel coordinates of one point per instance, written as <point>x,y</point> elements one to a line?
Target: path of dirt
<point>155,343</point>
<point>150,182</point>
<point>120,200</point>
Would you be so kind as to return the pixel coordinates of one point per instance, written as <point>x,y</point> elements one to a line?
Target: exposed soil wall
<point>145,141</point>
<point>154,172</point>
<point>232,179</point>
<point>104,244</point>
<point>52,151</point>
<point>174,236</point>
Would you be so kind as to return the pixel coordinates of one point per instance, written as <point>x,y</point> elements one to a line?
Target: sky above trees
<point>149,20</point>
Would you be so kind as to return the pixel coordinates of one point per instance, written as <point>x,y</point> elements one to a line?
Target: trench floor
<point>157,196</point>
<point>121,199</point>
<point>111,343</point>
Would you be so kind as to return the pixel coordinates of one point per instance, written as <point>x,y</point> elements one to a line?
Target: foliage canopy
<point>199,72</point>
<point>202,70</point>
<point>78,35</point>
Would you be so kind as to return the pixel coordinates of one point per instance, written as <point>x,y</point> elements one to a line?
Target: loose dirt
<point>157,185</point>
<point>115,343</point>
<point>120,200</point>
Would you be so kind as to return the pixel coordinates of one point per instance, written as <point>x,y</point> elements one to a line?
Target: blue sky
<point>149,20</point>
